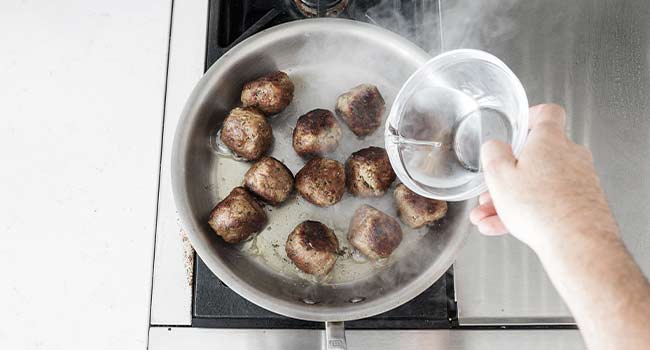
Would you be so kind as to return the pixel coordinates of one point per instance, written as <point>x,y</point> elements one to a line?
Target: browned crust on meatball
<point>317,132</point>
<point>361,109</point>
<point>270,180</point>
<point>415,210</point>
<point>368,172</point>
<point>247,133</point>
<point>312,247</point>
<point>271,93</point>
<point>237,216</point>
<point>374,233</point>
<point>321,181</point>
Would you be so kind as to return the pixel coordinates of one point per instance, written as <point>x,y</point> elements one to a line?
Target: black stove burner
<point>217,306</point>
<point>231,21</point>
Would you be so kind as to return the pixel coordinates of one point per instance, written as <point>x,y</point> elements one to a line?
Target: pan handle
<point>335,336</point>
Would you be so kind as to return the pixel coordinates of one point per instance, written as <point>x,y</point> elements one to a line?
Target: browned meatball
<point>361,109</point>
<point>237,216</point>
<point>368,172</point>
<point>316,132</point>
<point>270,180</point>
<point>271,93</point>
<point>321,181</point>
<point>247,133</point>
<point>415,210</point>
<point>373,233</point>
<point>313,247</point>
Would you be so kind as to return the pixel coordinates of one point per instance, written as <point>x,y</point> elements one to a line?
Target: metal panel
<point>171,297</point>
<point>565,339</point>
<point>278,339</point>
<point>592,57</point>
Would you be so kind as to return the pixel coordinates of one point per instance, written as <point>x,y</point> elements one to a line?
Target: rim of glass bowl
<point>439,63</point>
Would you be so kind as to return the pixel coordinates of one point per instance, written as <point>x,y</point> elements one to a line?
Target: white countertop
<point>81,114</point>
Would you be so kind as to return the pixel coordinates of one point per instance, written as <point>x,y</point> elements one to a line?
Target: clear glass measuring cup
<point>442,115</point>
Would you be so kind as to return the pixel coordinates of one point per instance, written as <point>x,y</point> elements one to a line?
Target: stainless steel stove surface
<point>216,305</point>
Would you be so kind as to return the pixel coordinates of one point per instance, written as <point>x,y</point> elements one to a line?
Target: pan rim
<point>198,241</point>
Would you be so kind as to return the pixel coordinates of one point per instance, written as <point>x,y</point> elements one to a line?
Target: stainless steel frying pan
<point>324,58</point>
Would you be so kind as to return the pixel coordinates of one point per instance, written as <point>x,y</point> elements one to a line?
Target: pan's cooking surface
<point>324,58</point>
<point>317,86</point>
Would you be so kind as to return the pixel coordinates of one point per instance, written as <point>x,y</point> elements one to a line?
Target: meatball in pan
<point>316,133</point>
<point>237,216</point>
<point>321,181</point>
<point>374,233</point>
<point>415,210</point>
<point>368,172</point>
<point>270,180</point>
<point>271,93</point>
<point>247,133</point>
<point>362,109</point>
<point>312,247</point>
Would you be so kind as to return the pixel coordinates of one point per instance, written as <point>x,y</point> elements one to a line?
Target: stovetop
<point>231,21</point>
<point>216,305</point>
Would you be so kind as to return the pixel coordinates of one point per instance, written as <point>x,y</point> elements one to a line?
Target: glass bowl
<point>442,115</point>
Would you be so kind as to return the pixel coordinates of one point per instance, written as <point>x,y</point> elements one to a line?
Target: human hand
<point>550,192</point>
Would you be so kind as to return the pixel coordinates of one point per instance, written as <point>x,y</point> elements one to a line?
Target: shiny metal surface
<point>300,44</point>
<point>335,336</point>
<point>593,58</point>
<point>162,338</point>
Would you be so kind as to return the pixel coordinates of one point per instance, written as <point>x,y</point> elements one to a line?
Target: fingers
<point>481,212</point>
<point>487,220</point>
<point>492,226</point>
<point>484,198</point>
<point>547,114</point>
<point>496,156</point>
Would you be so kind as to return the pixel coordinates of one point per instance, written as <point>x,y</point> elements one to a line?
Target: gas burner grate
<point>321,8</point>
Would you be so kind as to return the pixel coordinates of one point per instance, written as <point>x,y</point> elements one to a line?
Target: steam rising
<point>442,25</point>
<point>419,21</point>
<point>475,24</point>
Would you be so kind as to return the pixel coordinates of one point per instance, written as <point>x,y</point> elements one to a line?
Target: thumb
<point>497,160</point>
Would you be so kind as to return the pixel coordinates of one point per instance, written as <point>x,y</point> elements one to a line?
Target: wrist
<point>578,226</point>
<point>573,241</point>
